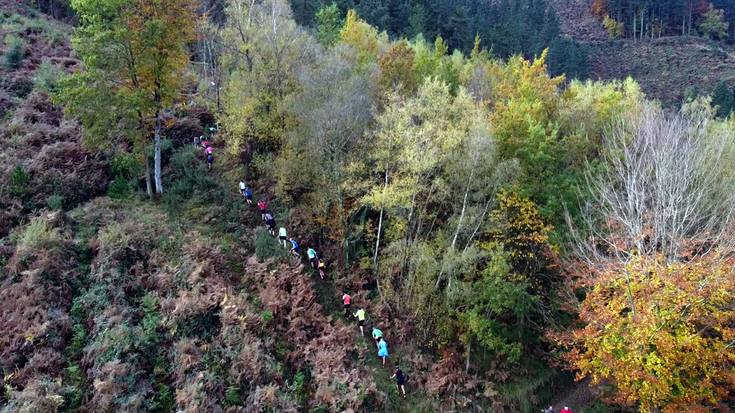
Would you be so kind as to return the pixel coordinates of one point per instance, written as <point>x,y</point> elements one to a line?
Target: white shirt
<point>242,185</point>
<point>282,232</point>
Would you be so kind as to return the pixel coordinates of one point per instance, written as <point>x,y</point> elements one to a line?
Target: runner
<point>321,266</point>
<point>377,334</point>
<point>210,156</point>
<point>311,253</point>
<point>400,380</point>
<point>270,223</point>
<point>282,238</point>
<point>295,249</point>
<point>360,314</point>
<point>565,410</point>
<point>263,207</point>
<point>249,195</point>
<point>243,187</point>
<point>549,410</point>
<point>383,350</point>
<point>346,301</point>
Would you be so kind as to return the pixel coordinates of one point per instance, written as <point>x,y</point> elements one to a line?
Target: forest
<point>524,237</point>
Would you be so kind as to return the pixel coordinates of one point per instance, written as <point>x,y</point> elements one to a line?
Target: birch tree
<point>134,55</point>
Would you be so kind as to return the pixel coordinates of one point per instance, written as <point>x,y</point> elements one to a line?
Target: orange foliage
<point>662,333</point>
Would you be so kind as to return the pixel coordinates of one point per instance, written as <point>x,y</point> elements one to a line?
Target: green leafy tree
<point>724,99</point>
<point>713,24</point>
<point>329,23</point>
<point>267,51</point>
<point>134,55</point>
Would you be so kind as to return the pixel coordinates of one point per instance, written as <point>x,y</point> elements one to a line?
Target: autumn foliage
<point>661,332</point>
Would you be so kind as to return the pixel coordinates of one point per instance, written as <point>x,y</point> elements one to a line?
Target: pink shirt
<point>209,150</point>
<point>346,298</point>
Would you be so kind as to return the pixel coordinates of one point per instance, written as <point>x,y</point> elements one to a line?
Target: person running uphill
<point>382,349</point>
<point>311,253</point>
<point>263,207</point>
<point>210,156</point>
<point>282,237</point>
<point>295,249</point>
<point>242,188</point>
<point>346,299</point>
<point>248,195</point>
<point>360,315</point>
<point>377,335</point>
<point>321,266</point>
<point>400,380</point>
<point>270,223</point>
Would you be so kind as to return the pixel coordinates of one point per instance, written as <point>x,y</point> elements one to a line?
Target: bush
<point>55,202</point>
<point>19,181</point>
<point>266,246</point>
<point>47,77</point>
<point>37,234</point>
<point>14,52</point>
<point>120,188</point>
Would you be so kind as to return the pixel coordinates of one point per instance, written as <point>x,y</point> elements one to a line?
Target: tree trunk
<point>148,184</point>
<point>469,351</point>
<point>459,226</point>
<point>157,155</point>
<point>377,242</point>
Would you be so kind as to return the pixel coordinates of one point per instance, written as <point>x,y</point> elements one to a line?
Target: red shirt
<point>261,205</point>
<point>565,410</point>
<point>346,298</point>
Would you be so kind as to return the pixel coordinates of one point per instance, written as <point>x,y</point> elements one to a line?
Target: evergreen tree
<point>723,99</point>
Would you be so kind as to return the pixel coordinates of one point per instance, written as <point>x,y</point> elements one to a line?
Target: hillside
<point>667,68</point>
<point>469,203</point>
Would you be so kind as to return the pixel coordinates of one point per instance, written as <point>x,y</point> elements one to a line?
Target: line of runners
<point>318,264</point>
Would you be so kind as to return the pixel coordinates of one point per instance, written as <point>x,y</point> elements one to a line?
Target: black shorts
<point>400,382</point>
<point>347,306</point>
<point>282,238</point>
<point>360,323</point>
<point>243,192</point>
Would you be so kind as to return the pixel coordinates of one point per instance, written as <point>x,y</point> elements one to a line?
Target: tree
<point>328,23</point>
<point>360,36</point>
<point>615,29</point>
<point>655,259</point>
<point>664,188</point>
<point>266,51</point>
<point>134,55</point>
<point>396,69</point>
<point>713,24</point>
<point>332,111</point>
<point>665,340</point>
<point>723,98</point>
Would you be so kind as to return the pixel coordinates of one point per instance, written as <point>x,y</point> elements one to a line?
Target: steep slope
<point>577,21</point>
<point>666,68</point>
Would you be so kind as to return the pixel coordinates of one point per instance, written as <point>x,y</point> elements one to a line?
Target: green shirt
<point>360,314</point>
<point>377,333</point>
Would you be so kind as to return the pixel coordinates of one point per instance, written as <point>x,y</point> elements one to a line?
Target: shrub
<point>614,28</point>
<point>55,202</point>
<point>37,234</point>
<point>19,181</point>
<point>47,77</point>
<point>14,52</point>
<point>266,246</point>
<point>119,188</point>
